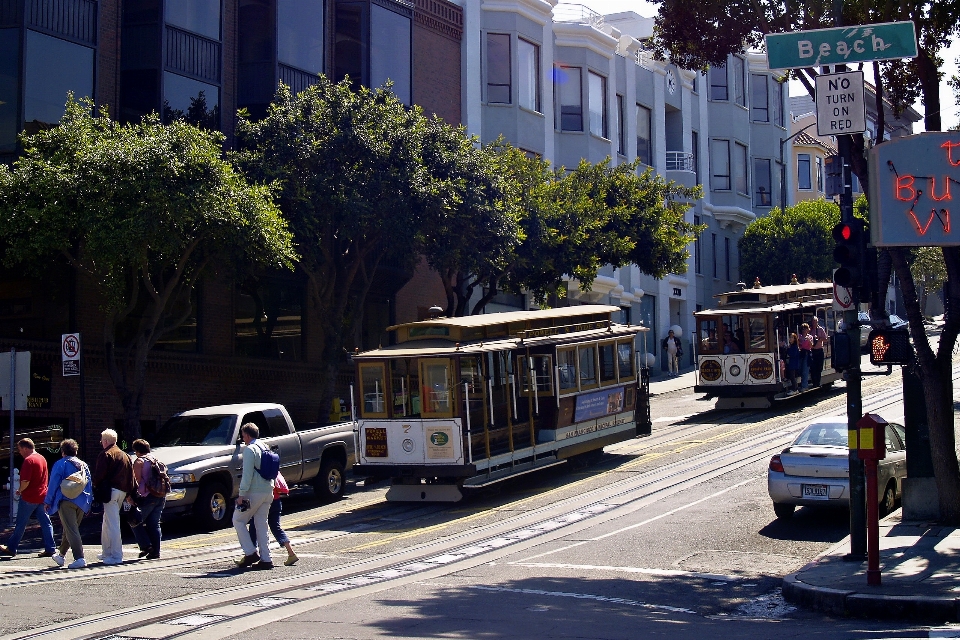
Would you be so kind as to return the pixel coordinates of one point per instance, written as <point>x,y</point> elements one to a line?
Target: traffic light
<point>849,253</point>
<point>890,346</point>
<point>841,355</point>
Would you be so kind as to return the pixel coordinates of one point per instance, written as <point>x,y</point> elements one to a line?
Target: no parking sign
<point>70,353</point>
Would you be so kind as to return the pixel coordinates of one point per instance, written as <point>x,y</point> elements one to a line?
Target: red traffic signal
<point>848,253</point>
<point>890,346</point>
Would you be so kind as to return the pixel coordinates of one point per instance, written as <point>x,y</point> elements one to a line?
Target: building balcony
<point>680,168</point>
<point>577,14</point>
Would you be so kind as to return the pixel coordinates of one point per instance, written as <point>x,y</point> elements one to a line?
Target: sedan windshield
<point>182,431</point>
<point>829,435</point>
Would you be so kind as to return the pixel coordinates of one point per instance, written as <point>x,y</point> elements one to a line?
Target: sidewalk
<point>663,382</point>
<point>920,575</point>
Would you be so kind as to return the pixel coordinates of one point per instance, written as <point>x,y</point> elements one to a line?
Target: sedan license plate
<point>816,491</point>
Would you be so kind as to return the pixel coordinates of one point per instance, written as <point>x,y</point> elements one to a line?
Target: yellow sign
<point>866,439</point>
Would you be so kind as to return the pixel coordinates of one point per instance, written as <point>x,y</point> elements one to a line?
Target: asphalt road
<point>671,535</point>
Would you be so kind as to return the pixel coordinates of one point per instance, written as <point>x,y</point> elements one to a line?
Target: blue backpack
<point>269,464</point>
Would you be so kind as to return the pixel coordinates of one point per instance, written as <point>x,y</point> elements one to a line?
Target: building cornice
<point>727,216</point>
<point>568,34</point>
<point>539,11</point>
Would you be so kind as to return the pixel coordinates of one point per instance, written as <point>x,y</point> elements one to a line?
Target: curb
<point>933,609</point>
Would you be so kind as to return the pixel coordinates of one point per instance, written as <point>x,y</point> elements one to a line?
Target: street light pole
<point>783,167</point>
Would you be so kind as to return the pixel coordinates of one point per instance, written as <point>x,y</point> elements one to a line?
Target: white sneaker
<point>58,559</point>
<point>79,563</point>
<point>99,556</point>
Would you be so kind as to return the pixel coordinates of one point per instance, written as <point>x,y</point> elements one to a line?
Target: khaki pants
<point>70,518</point>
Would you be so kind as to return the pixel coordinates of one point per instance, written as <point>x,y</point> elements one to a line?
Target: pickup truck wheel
<point>329,483</point>
<point>213,507</point>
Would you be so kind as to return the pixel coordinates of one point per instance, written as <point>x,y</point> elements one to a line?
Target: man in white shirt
<point>256,495</point>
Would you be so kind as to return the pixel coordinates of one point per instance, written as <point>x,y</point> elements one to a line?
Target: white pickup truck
<point>202,451</point>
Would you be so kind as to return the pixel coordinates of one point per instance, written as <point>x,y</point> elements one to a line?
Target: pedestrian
<point>805,342</point>
<point>816,361</point>
<point>70,510</point>
<point>671,344</point>
<point>280,490</point>
<point>150,505</point>
<point>32,493</point>
<point>112,481</point>
<point>256,496</point>
<point>793,363</point>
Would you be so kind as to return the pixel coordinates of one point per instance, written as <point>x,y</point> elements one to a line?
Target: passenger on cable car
<point>729,346</point>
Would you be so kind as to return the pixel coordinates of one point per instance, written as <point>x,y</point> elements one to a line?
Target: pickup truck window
<point>182,431</point>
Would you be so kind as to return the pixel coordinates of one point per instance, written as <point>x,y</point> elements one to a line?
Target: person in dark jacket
<point>112,481</point>
<point>793,362</point>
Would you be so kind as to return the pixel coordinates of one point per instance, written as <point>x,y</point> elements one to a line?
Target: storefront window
<point>300,34</point>
<point>390,56</point>
<point>196,102</point>
<point>268,320</point>
<point>198,16</point>
<point>9,88</point>
<point>54,67</point>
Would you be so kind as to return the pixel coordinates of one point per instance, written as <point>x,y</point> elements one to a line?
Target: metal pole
<point>13,404</point>
<point>83,402</point>
<point>873,524</point>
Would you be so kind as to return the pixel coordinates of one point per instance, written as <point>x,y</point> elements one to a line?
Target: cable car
<point>742,344</point>
<point>461,403</point>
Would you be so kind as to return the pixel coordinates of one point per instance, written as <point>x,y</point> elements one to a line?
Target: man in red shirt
<point>32,493</point>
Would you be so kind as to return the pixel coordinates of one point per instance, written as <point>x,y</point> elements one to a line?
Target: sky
<point>948,107</point>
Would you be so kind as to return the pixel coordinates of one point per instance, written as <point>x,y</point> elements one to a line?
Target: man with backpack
<point>256,496</point>
<point>153,484</point>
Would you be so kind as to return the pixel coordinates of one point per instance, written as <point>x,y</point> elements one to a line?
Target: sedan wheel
<point>783,511</point>
<point>889,502</point>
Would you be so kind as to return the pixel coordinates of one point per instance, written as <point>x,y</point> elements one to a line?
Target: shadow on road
<point>810,524</point>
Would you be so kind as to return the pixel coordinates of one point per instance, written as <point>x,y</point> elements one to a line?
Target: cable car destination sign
<point>912,183</point>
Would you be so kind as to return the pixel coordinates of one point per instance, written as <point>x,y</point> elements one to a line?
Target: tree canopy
<point>796,241</point>
<point>142,210</point>
<point>557,223</point>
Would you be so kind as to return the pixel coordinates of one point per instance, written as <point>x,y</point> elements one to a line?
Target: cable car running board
<point>518,470</point>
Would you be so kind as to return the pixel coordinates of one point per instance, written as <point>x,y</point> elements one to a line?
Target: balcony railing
<point>577,14</point>
<point>679,161</point>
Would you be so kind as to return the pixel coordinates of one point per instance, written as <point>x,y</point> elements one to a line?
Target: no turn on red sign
<point>70,353</point>
<point>840,105</point>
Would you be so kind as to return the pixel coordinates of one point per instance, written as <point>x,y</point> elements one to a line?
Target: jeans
<point>804,369</point>
<point>816,367</point>
<point>273,519</point>
<point>259,508</point>
<point>70,518</point>
<point>110,539</point>
<point>24,511</point>
<point>147,532</point>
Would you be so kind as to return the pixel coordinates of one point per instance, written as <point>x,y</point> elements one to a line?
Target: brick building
<point>204,59</point>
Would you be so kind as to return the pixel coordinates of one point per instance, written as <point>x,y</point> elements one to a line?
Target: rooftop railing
<point>577,14</point>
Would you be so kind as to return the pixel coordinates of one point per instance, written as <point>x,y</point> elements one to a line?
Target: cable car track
<point>471,546</point>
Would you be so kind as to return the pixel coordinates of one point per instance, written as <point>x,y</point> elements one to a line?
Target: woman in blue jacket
<point>71,510</point>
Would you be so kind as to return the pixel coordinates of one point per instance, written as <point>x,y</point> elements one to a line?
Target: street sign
<point>21,388</point>
<point>841,45</point>
<point>840,104</point>
<point>842,297</point>
<point>70,353</point>
<point>910,183</point>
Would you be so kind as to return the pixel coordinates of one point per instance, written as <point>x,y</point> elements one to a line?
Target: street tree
<point>929,273</point>
<point>796,241</point>
<point>360,178</point>
<point>697,33</point>
<point>141,210</point>
<point>569,224</point>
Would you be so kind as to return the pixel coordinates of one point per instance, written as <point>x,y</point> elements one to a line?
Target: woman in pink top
<point>806,348</point>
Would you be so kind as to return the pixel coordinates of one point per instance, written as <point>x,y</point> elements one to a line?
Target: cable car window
<point>588,366</point>
<point>373,389</point>
<point>625,360</point>
<point>608,363</point>
<point>403,378</point>
<point>567,369</point>
<point>709,336</point>
<point>757,331</point>
<point>436,396</point>
<point>541,367</point>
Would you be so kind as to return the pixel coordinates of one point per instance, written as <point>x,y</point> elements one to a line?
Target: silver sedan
<point>813,471</point>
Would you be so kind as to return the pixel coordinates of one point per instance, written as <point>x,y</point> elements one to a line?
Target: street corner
<point>818,598</point>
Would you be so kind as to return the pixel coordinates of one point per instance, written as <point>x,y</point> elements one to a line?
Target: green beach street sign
<point>841,45</point>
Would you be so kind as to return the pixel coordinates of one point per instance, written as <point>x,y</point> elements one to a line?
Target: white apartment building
<point>564,82</point>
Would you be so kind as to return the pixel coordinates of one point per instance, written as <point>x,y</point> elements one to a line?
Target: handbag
<point>73,485</point>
